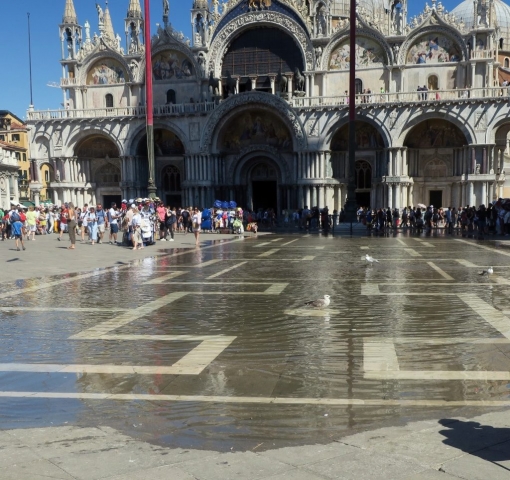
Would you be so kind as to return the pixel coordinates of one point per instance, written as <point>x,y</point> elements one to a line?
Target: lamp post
<point>350,204</point>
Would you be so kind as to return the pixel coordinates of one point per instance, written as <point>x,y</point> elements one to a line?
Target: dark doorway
<point>265,195</point>
<point>436,198</point>
<point>108,199</point>
<point>363,199</point>
<point>174,201</point>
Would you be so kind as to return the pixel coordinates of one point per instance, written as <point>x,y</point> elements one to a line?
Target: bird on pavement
<point>319,303</point>
<point>487,272</point>
<point>370,259</point>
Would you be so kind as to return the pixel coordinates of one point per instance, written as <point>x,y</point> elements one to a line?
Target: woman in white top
<point>91,219</point>
<point>196,222</point>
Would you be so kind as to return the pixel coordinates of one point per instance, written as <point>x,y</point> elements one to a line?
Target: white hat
<point>124,201</point>
<point>131,200</point>
<point>133,205</point>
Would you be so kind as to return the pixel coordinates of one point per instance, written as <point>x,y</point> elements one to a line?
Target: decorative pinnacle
<point>70,13</point>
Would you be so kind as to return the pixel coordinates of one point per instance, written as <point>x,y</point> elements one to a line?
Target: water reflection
<point>282,349</point>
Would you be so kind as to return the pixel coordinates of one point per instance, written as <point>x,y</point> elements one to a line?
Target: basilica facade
<point>252,106</point>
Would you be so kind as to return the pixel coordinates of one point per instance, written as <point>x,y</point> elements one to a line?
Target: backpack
<point>170,220</point>
<point>22,217</point>
<point>15,217</point>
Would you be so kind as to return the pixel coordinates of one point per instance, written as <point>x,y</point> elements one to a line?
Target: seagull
<point>487,272</point>
<point>370,259</point>
<point>319,303</point>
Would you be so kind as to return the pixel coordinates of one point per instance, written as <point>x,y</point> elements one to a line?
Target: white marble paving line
<point>277,240</point>
<point>257,400</point>
<point>491,315</point>
<point>41,286</point>
<point>438,375</point>
<point>219,274</point>
<point>423,243</point>
<point>200,357</point>
<point>379,356</point>
<point>443,341</point>
<point>59,309</point>
<point>288,243</point>
<point>483,247</point>
<point>162,338</point>
<point>466,263</point>
<point>308,258</point>
<point>263,244</point>
<point>269,252</point>
<point>401,242</point>
<point>164,278</point>
<point>274,289</point>
<point>128,317</point>
<point>364,248</point>
<point>440,271</point>
<point>412,252</point>
<point>304,312</point>
<point>372,289</point>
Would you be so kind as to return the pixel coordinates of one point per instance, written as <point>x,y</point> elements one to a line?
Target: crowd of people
<point>134,223</point>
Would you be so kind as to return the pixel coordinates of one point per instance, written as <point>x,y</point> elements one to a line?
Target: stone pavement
<point>474,449</point>
<point>46,256</point>
<point>466,445</point>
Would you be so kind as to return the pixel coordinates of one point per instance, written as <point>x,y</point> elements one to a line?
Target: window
<point>2,138</point>
<point>433,82</point>
<point>507,63</point>
<point>109,100</point>
<point>501,43</point>
<point>47,176</point>
<point>18,156</point>
<point>24,157</point>
<point>363,175</point>
<point>170,97</point>
<point>171,179</point>
<point>15,137</point>
<point>359,86</point>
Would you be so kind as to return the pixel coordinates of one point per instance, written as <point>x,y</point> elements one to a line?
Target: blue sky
<point>45,16</point>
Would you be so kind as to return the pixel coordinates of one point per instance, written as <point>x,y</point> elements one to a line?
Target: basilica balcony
<point>183,109</point>
<point>420,97</point>
<point>483,54</point>
<point>69,82</point>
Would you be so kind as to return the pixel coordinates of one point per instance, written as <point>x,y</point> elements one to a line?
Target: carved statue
<point>299,80</point>
<point>100,14</point>
<point>166,8</point>
<point>87,31</point>
<point>281,82</point>
<point>259,3</point>
<point>214,84</point>
<point>118,40</point>
<point>318,56</point>
<point>201,62</point>
<point>321,21</point>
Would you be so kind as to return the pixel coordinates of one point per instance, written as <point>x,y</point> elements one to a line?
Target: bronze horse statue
<point>214,84</point>
<point>259,3</point>
<point>231,86</point>
<point>281,82</point>
<point>299,79</point>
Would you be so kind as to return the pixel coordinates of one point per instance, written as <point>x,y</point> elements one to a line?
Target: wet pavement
<point>212,348</point>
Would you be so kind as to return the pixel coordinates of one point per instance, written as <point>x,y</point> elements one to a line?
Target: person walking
<point>17,228</point>
<point>92,225</point>
<point>171,221</point>
<point>101,223</point>
<point>196,223</point>
<point>71,225</point>
<point>32,223</point>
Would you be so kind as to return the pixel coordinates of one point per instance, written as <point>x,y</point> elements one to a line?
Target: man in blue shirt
<point>17,232</point>
<point>101,222</point>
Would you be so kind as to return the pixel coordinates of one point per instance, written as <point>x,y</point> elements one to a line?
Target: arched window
<point>507,63</point>
<point>108,100</point>
<point>363,175</point>
<point>359,86</point>
<point>108,175</point>
<point>501,40</point>
<point>171,179</point>
<point>433,82</point>
<point>170,97</point>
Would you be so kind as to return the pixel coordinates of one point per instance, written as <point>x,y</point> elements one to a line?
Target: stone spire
<point>70,14</point>
<point>108,25</point>
<point>134,10</point>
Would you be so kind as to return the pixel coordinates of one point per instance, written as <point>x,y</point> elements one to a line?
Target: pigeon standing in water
<point>487,272</point>
<point>370,259</point>
<point>319,303</point>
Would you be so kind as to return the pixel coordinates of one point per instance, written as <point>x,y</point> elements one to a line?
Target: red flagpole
<point>151,187</point>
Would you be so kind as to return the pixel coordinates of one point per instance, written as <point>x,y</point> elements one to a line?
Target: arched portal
<point>435,156</point>
<point>169,156</point>
<point>370,153</point>
<point>99,164</point>
<point>259,52</point>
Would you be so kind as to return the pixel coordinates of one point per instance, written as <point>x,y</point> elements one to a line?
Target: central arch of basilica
<point>251,106</point>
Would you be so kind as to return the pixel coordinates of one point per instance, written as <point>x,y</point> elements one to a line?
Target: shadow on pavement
<point>483,441</point>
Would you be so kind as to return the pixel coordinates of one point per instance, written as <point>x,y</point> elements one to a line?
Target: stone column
<point>300,203</point>
<point>320,199</point>
<point>484,195</point>
<point>470,195</point>
<point>307,197</point>
<point>411,196</point>
<point>272,79</point>
<point>398,195</point>
<point>390,195</point>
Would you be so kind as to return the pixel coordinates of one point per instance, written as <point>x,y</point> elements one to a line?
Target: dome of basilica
<point>465,11</point>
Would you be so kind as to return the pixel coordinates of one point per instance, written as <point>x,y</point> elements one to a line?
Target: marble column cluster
<point>316,187</point>
<point>202,173</point>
